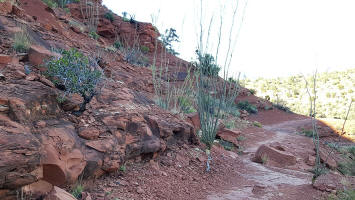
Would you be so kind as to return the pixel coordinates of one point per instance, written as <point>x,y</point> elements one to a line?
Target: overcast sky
<point>277,37</point>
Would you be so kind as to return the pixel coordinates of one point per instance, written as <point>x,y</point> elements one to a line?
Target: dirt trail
<point>266,182</point>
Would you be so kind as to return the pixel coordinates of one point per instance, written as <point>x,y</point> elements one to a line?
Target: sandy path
<point>265,182</point>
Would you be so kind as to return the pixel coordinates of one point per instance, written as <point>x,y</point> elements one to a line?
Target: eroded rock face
<point>29,101</point>
<point>42,145</point>
<point>20,154</point>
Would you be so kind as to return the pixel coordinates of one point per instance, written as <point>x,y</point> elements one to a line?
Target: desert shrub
<point>207,65</point>
<point>257,124</point>
<point>109,15</point>
<point>230,124</point>
<point>226,145</point>
<point>117,44</point>
<point>245,105</point>
<point>347,167</point>
<point>51,3</point>
<point>145,49</point>
<point>241,138</point>
<point>308,133</point>
<point>185,105</point>
<point>346,194</point>
<point>77,190</point>
<point>94,35</point>
<point>22,42</point>
<point>168,38</point>
<point>125,17</point>
<point>282,106</point>
<point>252,91</point>
<point>135,56</point>
<point>232,80</point>
<point>76,74</point>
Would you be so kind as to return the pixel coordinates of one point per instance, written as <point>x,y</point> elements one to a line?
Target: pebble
<point>140,190</point>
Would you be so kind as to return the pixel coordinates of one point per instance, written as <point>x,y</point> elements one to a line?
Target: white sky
<point>277,37</point>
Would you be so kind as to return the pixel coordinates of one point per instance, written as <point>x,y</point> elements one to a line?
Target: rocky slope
<point>44,147</point>
<point>42,143</point>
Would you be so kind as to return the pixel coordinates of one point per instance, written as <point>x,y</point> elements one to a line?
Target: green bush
<point>77,190</point>
<point>145,49</point>
<point>186,105</point>
<point>230,124</point>
<point>252,91</point>
<point>117,44</point>
<point>226,145</point>
<point>245,105</point>
<point>76,74</point>
<point>22,42</point>
<point>257,124</point>
<point>207,64</point>
<point>135,56</point>
<point>94,35</point>
<point>50,3</point>
<point>308,133</point>
<point>109,15</point>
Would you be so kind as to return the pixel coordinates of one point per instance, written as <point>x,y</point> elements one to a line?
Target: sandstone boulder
<point>63,161</point>
<point>38,55</point>
<point>59,194</point>
<point>327,158</point>
<point>228,135</point>
<point>274,156</point>
<point>5,59</point>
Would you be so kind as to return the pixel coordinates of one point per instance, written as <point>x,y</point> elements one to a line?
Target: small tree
<point>168,38</point>
<point>76,74</point>
<point>318,168</point>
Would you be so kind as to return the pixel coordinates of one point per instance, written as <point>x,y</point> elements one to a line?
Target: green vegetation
<point>207,64</point>
<point>348,194</point>
<point>51,3</point>
<point>257,124</point>
<point>145,49</point>
<point>76,74</point>
<point>264,159</point>
<point>123,168</point>
<point>230,124</point>
<point>131,18</point>
<point>168,38</point>
<point>334,92</point>
<point>134,56</point>
<point>109,15</point>
<point>117,44</point>
<point>94,35</point>
<point>308,133</point>
<point>241,138</point>
<point>125,17</point>
<point>347,165</point>
<point>22,41</point>
<point>77,190</point>
<point>186,104</point>
<point>245,105</point>
<point>226,145</point>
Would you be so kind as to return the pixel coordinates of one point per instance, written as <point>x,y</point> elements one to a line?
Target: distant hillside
<point>334,92</point>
